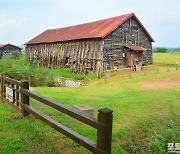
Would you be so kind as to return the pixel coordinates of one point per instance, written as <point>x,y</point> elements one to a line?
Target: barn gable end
<point>129,33</point>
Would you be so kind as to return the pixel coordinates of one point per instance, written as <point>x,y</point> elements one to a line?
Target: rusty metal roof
<point>97,29</point>
<point>2,45</point>
<point>135,48</point>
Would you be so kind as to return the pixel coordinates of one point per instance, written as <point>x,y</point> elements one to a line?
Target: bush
<point>160,50</point>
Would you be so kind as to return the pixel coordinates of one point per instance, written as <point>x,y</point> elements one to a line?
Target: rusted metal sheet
<point>97,29</point>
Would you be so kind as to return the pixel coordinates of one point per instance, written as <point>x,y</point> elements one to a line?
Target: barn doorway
<point>134,57</point>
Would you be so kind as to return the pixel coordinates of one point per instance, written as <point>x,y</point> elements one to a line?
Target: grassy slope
<point>144,120</point>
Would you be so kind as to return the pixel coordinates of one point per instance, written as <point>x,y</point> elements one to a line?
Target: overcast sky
<point>21,20</point>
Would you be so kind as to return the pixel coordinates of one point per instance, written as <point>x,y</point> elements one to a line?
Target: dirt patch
<point>161,83</point>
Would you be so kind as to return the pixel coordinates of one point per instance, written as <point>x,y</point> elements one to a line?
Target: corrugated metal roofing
<point>135,48</point>
<point>97,29</point>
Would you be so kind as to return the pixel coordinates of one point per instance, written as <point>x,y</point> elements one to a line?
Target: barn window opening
<point>107,66</point>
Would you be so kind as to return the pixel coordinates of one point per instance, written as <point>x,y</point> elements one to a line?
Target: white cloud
<point>9,23</point>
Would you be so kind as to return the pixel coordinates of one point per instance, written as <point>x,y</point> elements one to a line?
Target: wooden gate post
<point>104,136</point>
<point>24,98</point>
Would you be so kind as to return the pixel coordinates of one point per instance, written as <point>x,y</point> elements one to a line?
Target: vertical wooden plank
<point>86,57</point>
<point>82,56</point>
<point>17,96</point>
<point>14,99</point>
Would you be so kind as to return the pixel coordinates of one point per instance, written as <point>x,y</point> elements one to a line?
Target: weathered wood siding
<point>129,33</point>
<point>80,56</point>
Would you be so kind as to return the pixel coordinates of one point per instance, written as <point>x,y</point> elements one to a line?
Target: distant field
<point>145,119</point>
<point>170,58</point>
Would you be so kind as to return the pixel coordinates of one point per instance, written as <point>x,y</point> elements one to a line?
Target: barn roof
<point>96,29</point>
<point>3,45</point>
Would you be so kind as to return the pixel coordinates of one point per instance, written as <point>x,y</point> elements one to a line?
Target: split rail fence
<point>17,95</point>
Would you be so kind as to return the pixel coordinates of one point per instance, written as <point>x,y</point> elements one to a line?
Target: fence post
<point>176,67</point>
<point>104,136</point>
<point>24,98</point>
<point>2,89</point>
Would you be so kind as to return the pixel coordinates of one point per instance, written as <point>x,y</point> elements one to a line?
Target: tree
<point>160,50</point>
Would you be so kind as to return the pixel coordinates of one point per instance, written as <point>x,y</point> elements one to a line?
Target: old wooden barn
<point>115,42</point>
<point>8,49</point>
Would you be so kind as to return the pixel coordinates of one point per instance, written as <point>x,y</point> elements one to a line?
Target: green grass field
<point>144,120</point>
<point>167,58</point>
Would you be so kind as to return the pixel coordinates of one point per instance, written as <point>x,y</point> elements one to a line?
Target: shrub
<point>20,70</point>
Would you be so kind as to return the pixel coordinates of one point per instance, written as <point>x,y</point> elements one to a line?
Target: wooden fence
<point>17,95</point>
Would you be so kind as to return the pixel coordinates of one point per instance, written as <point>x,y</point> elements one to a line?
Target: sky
<point>21,20</point>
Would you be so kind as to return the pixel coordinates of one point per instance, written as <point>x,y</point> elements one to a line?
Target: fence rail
<point>17,95</point>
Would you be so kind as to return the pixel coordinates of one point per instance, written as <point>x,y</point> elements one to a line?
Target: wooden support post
<point>104,136</point>
<point>130,76</point>
<point>24,99</point>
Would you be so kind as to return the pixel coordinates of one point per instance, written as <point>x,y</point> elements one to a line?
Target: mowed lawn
<point>145,120</point>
